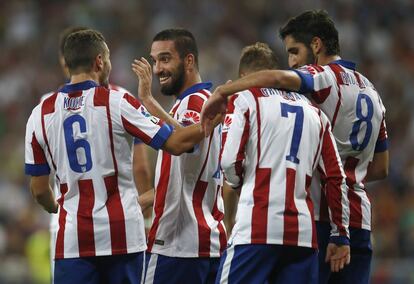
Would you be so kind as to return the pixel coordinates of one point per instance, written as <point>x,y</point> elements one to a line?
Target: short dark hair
<point>314,23</point>
<point>258,56</point>
<point>81,48</point>
<point>183,39</point>
<point>64,35</point>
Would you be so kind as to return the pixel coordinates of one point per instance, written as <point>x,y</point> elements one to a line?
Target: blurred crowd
<point>377,34</point>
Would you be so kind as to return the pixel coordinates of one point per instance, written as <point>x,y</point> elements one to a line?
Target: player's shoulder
<point>118,88</point>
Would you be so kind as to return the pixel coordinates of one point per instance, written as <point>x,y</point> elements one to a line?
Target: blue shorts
<point>268,264</point>
<point>124,268</point>
<point>181,270</point>
<point>358,270</point>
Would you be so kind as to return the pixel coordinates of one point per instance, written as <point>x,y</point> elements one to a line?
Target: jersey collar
<point>85,85</point>
<point>345,63</point>
<point>195,88</point>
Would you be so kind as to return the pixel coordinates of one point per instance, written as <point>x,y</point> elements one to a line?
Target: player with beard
<point>187,236</point>
<point>357,115</point>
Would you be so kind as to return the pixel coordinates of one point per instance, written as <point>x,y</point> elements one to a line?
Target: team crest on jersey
<point>73,103</point>
<point>191,117</point>
<point>227,122</point>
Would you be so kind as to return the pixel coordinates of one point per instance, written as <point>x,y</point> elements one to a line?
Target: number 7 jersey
<point>84,135</point>
<point>357,115</point>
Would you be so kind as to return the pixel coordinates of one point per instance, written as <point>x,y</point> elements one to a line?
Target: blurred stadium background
<point>377,34</point>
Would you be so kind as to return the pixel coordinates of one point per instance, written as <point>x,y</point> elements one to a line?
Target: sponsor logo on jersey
<point>227,122</point>
<point>191,116</point>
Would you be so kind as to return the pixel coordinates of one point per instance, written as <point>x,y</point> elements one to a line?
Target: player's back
<point>280,136</point>
<point>356,112</point>
<point>82,131</point>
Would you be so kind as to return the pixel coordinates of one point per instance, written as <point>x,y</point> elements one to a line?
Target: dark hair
<point>257,57</point>
<point>184,41</point>
<point>310,24</point>
<point>64,35</point>
<point>81,49</point>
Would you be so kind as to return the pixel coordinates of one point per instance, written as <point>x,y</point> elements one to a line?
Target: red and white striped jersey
<point>275,141</point>
<point>357,116</point>
<point>188,207</point>
<point>84,134</point>
<point>54,218</point>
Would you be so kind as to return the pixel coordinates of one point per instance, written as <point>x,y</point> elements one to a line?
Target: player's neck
<point>326,59</point>
<point>81,77</point>
<point>190,81</point>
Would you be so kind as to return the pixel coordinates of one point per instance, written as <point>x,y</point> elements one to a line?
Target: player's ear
<point>189,61</point>
<point>316,45</point>
<point>99,61</point>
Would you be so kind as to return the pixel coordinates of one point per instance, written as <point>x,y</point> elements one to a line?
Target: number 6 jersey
<point>84,134</point>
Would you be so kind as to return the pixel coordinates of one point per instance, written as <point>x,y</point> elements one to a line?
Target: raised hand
<point>142,69</point>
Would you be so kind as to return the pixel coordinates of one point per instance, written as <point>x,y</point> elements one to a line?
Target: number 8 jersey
<point>84,134</point>
<point>357,116</point>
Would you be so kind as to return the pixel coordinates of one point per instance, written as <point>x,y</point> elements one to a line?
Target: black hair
<point>314,23</point>
<point>183,39</point>
<point>81,48</point>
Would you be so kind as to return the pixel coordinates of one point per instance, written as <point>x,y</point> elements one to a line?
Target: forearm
<point>157,110</point>
<point>378,169</point>
<point>146,200</point>
<point>263,79</point>
<point>46,199</point>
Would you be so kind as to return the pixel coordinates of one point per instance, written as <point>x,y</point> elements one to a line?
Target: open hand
<point>142,69</point>
<point>338,256</point>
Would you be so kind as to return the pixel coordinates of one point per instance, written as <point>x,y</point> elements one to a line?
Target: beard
<point>177,81</point>
<point>311,59</point>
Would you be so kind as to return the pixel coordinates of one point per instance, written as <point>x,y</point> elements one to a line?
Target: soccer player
<point>140,167</point>
<point>275,142</point>
<point>84,133</point>
<point>357,116</point>
<point>187,235</point>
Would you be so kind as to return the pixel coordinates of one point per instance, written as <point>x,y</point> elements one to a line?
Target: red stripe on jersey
<point>60,238</point>
<point>256,93</point>
<point>160,196</point>
<point>135,131</point>
<point>174,109</point>
<point>204,93</point>
<point>132,101</point>
<point>323,204</point>
<point>334,180</point>
<point>261,205</point>
<point>75,94</point>
<point>241,152</point>
<point>116,216</point>
<point>355,216</point>
<point>383,131</point>
<point>317,67</point>
<point>38,154</point>
<point>309,203</point>
<point>219,216</point>
<point>230,104</point>
<point>321,95</point>
<point>195,103</point>
<point>204,230</point>
<point>290,216</point>
<point>358,80</point>
<point>86,238</point>
<point>337,69</point>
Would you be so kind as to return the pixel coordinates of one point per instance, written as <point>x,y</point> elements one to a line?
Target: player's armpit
<point>42,193</point>
<point>378,169</point>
